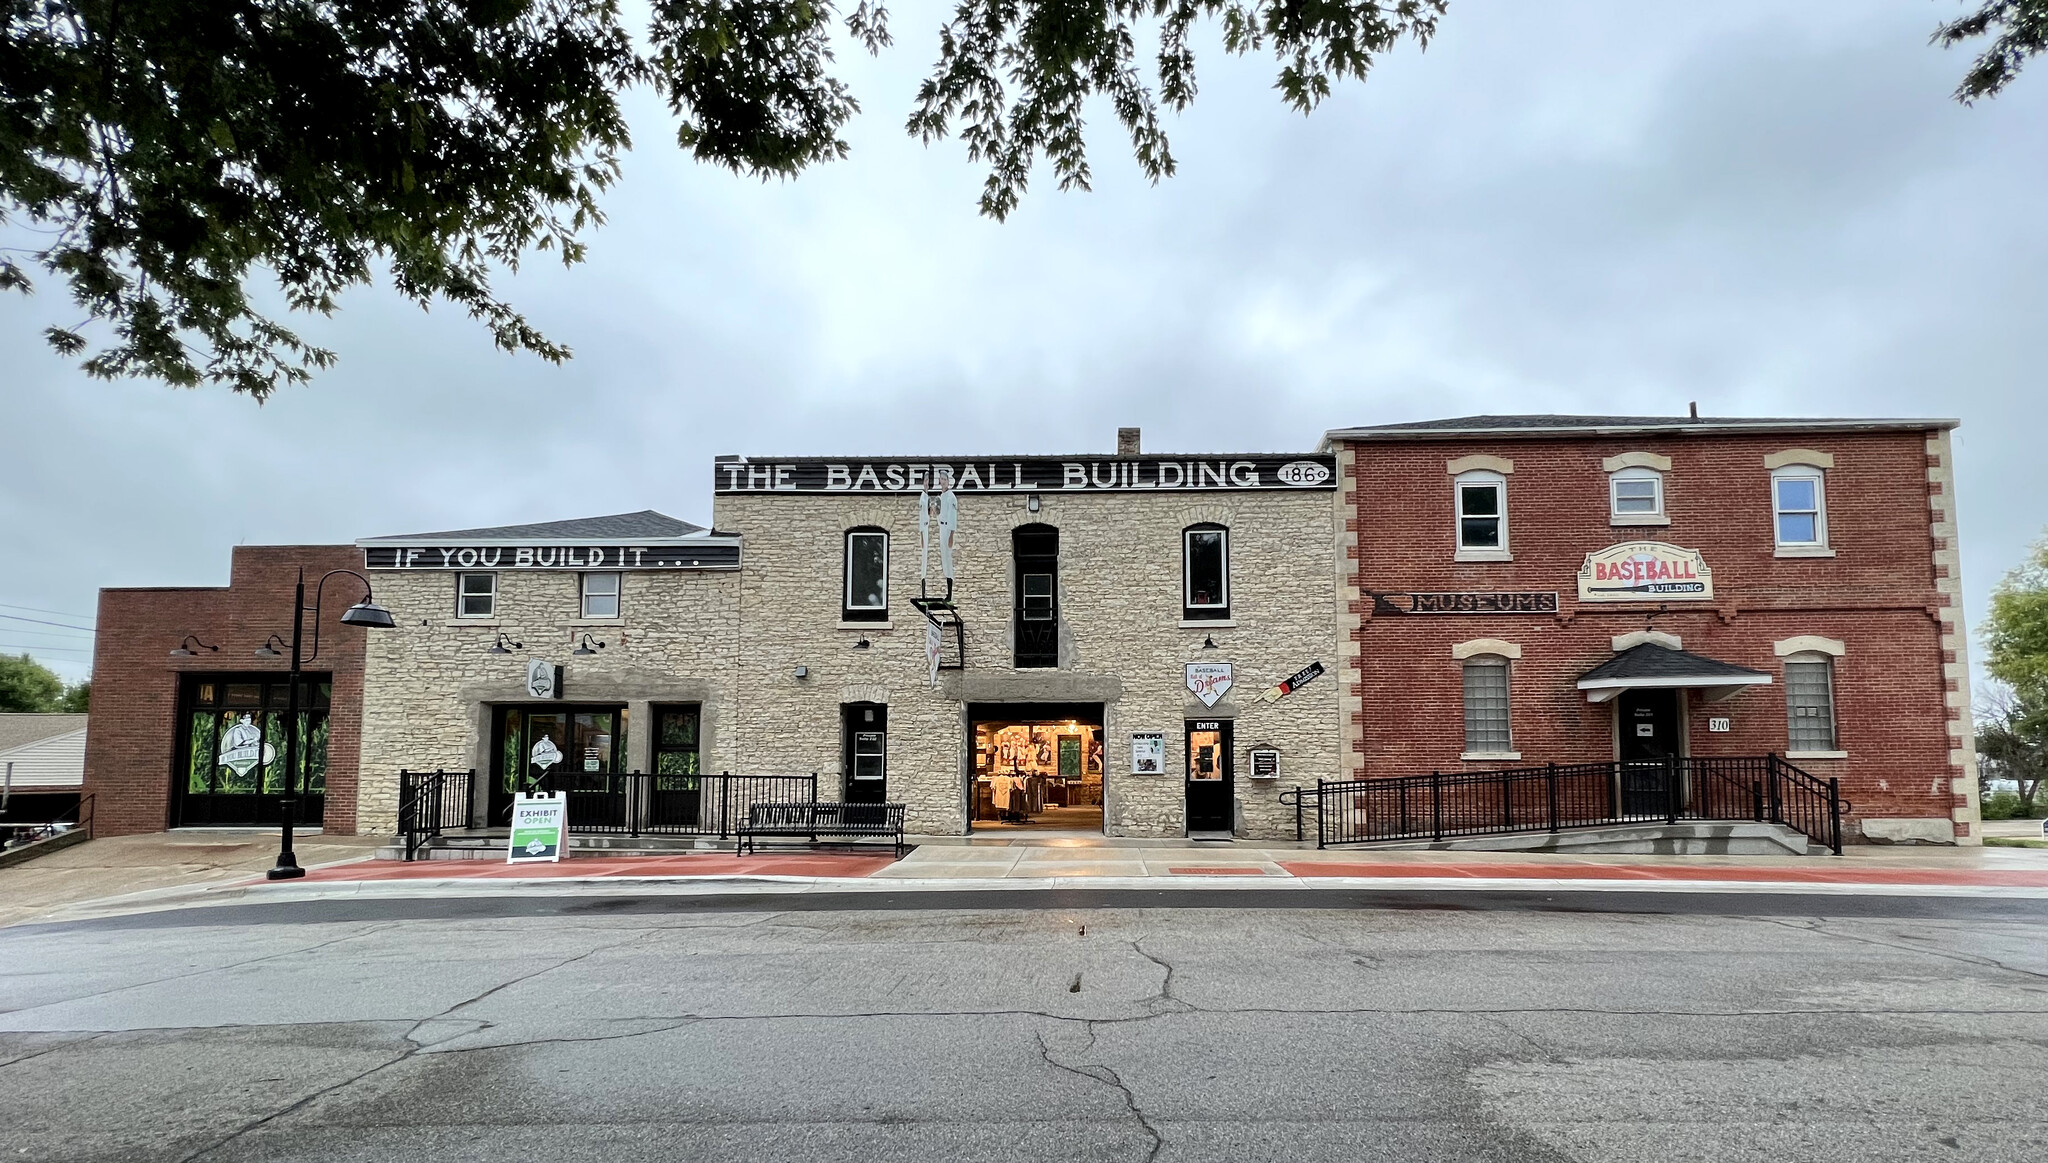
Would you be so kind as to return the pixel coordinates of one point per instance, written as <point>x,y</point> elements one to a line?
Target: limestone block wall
<point>430,683</point>
<point>1122,642</point>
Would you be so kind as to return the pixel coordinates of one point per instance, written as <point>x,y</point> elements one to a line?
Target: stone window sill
<point>1620,519</point>
<point>1816,755</point>
<point>885,624</point>
<point>1208,623</point>
<point>1490,755</point>
<point>1803,551</point>
<point>484,623</point>
<point>1483,555</point>
<point>597,621</point>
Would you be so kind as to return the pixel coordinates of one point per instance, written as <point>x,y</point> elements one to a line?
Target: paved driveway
<point>160,860</point>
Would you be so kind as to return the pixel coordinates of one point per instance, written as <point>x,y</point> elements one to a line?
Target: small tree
<point>2012,744</point>
<point>27,686</point>
<point>77,700</point>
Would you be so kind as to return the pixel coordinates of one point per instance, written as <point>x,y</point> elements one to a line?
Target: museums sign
<point>1645,571</point>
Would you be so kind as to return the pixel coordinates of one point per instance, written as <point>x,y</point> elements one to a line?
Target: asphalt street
<point>1064,1032</point>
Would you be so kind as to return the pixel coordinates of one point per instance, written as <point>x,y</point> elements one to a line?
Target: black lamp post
<point>365,613</point>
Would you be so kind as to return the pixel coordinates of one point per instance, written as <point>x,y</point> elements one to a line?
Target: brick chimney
<point>1127,442</point>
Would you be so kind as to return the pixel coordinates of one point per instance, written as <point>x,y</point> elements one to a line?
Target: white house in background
<point>47,752</point>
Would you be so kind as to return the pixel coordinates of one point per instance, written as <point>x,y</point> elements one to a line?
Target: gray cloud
<point>1557,207</point>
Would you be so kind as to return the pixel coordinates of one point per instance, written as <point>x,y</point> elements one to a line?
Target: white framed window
<point>1037,593</point>
<point>1482,513</point>
<point>1635,494</point>
<point>1488,730</point>
<point>1810,703</point>
<point>601,595</point>
<point>1205,572</point>
<point>866,597</point>
<point>1799,516</point>
<point>476,595</point>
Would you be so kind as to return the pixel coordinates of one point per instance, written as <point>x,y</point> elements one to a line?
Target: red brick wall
<point>1876,595</point>
<point>129,740</point>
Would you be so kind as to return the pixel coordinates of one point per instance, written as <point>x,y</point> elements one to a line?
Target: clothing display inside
<point>1033,772</point>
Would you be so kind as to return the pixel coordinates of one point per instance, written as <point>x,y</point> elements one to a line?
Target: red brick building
<point>197,738</point>
<point>1534,589</point>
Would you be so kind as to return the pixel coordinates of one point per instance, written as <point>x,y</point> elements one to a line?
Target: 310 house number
<point>1717,724</point>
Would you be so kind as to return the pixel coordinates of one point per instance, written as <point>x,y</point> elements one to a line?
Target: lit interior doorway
<point>1036,766</point>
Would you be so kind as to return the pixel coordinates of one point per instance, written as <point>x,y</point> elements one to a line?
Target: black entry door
<point>1210,784</point>
<point>1649,750</point>
<point>867,753</point>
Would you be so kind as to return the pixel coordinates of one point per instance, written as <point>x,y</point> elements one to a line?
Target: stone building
<point>1102,645</point>
<point>1533,589</point>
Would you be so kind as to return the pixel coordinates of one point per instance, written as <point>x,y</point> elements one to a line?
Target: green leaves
<point>178,154</point>
<point>2022,33</point>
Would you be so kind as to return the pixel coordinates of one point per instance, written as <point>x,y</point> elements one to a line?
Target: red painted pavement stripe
<point>692,865</point>
<point>1834,874</point>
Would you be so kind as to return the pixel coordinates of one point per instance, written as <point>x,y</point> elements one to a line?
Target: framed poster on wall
<point>1148,753</point>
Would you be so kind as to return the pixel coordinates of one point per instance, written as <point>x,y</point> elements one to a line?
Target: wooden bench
<point>810,821</point>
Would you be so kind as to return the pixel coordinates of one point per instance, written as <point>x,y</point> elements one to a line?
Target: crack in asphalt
<point>1107,1075</point>
<point>1819,926</point>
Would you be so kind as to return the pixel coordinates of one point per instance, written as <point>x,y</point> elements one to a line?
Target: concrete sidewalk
<point>123,865</point>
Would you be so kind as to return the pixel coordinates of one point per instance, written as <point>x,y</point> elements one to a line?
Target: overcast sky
<point>1769,208</point>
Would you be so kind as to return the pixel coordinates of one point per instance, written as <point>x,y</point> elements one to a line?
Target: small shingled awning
<point>1653,667</point>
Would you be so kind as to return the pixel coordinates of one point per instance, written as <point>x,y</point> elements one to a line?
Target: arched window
<point>1205,572</point>
<point>867,576</point>
<point>1488,730</point>
<point>1799,516</point>
<point>1482,506</point>
<point>1635,494</point>
<point>1810,702</point>
<point>1035,550</point>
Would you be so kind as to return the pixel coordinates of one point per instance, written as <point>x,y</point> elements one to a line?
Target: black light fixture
<point>504,641</point>
<point>1209,643</point>
<point>863,644</point>
<point>269,649</point>
<point>368,614</point>
<point>185,650</point>
<point>588,647</point>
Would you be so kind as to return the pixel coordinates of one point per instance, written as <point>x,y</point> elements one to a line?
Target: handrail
<point>1555,797</point>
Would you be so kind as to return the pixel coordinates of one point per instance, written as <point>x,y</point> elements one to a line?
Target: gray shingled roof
<point>645,525</point>
<point>20,730</point>
<point>1650,660</point>
<point>1533,425</point>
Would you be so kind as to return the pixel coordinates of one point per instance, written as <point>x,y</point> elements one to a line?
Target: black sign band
<point>579,557</point>
<point>1043,474</point>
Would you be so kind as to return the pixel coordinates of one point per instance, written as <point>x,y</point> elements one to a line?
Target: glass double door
<point>574,750</point>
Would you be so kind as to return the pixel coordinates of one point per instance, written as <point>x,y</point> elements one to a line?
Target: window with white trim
<point>1810,702</point>
<point>1482,501</point>
<point>867,576</point>
<point>1635,492</point>
<point>1487,729</point>
<point>1205,572</point>
<point>476,595</point>
<point>1799,517</point>
<point>601,595</point>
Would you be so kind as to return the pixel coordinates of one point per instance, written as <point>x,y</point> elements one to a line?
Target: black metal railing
<point>1560,796</point>
<point>431,802</point>
<point>639,804</point>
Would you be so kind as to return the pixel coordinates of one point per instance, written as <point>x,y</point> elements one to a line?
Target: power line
<point>65,639</point>
<point>40,610</point>
<point>31,648</point>
<point>44,622</point>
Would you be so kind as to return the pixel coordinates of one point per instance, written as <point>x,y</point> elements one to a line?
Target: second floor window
<point>1205,572</point>
<point>1799,509</point>
<point>867,576</point>
<point>1482,514</point>
<point>1636,492</point>
<point>601,595</point>
<point>476,595</point>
